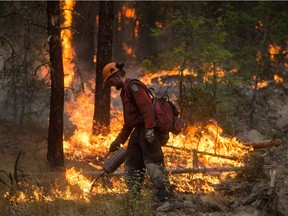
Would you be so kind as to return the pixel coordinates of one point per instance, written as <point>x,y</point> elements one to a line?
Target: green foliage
<point>200,103</point>
<point>197,40</point>
<point>147,63</point>
<point>233,35</point>
<point>157,32</point>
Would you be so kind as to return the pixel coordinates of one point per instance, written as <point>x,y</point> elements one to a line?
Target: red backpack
<point>166,114</point>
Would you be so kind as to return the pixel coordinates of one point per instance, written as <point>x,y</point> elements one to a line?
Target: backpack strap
<point>150,89</point>
<point>147,89</point>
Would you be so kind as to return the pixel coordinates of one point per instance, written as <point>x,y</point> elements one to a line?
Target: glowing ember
<point>129,12</point>
<point>259,26</point>
<point>278,79</point>
<point>159,25</point>
<point>128,49</point>
<point>136,30</point>
<point>260,84</point>
<point>274,50</point>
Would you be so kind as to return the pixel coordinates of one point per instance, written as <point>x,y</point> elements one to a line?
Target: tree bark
<point>55,154</point>
<point>101,119</point>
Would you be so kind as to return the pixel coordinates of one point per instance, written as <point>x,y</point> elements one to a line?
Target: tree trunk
<point>83,42</point>
<point>101,119</point>
<point>55,154</point>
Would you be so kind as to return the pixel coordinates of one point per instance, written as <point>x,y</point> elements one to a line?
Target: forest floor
<point>254,194</point>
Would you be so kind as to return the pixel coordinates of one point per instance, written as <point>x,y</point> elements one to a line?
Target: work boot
<point>169,205</point>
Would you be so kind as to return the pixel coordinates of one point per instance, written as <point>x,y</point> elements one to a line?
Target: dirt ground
<point>259,191</point>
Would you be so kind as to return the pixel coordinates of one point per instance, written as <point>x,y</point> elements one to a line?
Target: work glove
<point>150,136</point>
<point>114,146</point>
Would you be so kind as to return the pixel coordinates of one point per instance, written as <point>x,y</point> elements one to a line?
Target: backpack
<point>166,114</point>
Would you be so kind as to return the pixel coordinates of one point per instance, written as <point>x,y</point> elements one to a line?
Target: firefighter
<point>144,150</point>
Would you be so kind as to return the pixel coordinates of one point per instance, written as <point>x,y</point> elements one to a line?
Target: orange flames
<point>129,12</point>
<point>82,146</point>
<point>66,36</point>
<point>278,79</point>
<point>274,50</point>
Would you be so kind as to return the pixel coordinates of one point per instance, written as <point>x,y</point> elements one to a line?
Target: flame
<point>259,26</point>
<point>278,79</point>
<point>273,50</point>
<point>82,146</point>
<point>159,25</point>
<point>208,145</point>
<point>129,12</point>
<point>75,178</point>
<point>97,20</point>
<point>207,78</point>
<point>68,53</point>
<point>260,84</point>
<point>136,30</point>
<point>119,20</point>
<point>218,73</point>
<point>129,50</point>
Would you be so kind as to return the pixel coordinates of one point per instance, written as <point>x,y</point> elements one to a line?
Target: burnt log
<point>203,153</point>
<point>264,143</point>
<point>178,170</point>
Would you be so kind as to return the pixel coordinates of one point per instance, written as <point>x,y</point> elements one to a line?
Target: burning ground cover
<point>77,171</point>
<point>213,174</point>
<point>203,162</point>
<point>67,192</point>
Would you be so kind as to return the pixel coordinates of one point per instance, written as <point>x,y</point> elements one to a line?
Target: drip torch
<point>112,162</point>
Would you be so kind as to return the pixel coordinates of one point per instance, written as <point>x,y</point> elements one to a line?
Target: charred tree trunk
<point>101,119</point>
<point>55,154</point>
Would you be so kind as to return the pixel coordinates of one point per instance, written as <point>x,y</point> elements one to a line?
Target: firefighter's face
<point>115,81</point>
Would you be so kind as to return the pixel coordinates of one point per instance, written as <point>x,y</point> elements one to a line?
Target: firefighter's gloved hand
<point>114,146</point>
<point>150,136</point>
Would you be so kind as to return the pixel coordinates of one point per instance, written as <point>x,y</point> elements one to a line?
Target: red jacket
<point>137,108</point>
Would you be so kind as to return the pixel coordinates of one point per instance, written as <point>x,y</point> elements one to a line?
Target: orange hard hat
<point>110,69</point>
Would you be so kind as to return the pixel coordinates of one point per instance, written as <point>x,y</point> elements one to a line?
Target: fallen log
<point>217,155</point>
<point>178,170</point>
<point>169,170</point>
<point>264,143</point>
<point>203,153</point>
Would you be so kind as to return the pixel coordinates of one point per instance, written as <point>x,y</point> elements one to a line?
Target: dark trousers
<point>142,156</point>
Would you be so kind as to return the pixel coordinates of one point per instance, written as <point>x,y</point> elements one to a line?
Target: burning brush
<point>112,162</point>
